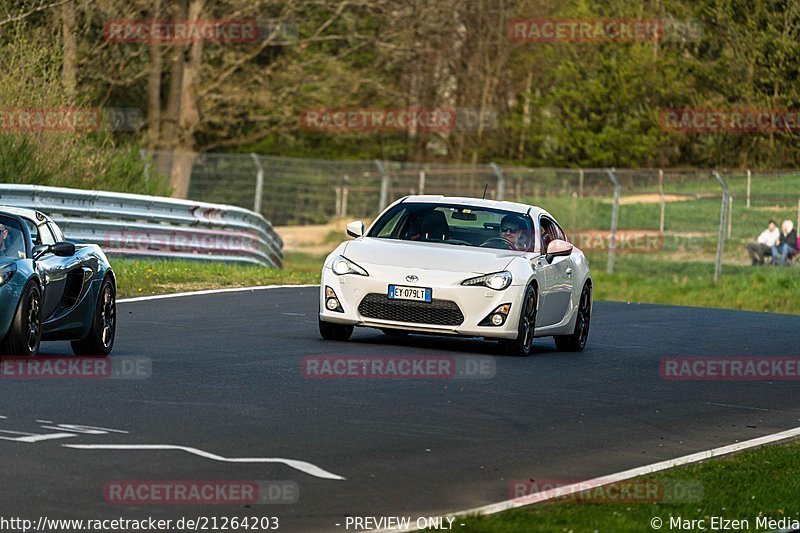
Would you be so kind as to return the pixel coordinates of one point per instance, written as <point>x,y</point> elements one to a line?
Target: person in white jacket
<point>769,237</point>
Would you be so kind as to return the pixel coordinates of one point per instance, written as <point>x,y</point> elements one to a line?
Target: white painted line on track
<point>209,291</point>
<point>566,490</point>
<point>303,466</point>
<point>31,438</point>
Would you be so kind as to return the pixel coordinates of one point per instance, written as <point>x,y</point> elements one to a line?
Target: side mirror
<point>63,249</point>
<point>355,229</point>
<point>557,248</point>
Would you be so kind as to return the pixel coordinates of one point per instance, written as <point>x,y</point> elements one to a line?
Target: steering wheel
<point>502,240</point>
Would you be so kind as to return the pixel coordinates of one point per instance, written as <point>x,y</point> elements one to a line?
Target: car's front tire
<point>523,344</point>
<point>100,339</point>
<point>25,334</point>
<point>335,332</point>
<point>576,342</point>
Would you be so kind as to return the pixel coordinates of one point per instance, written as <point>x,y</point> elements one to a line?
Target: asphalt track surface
<point>226,379</point>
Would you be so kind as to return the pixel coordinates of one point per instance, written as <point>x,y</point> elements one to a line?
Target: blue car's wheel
<point>25,334</point>
<point>100,339</point>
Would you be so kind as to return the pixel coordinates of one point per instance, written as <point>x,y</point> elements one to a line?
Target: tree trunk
<point>154,86</point>
<point>188,114</point>
<point>69,64</point>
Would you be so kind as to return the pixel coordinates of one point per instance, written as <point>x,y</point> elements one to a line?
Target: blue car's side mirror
<point>61,249</point>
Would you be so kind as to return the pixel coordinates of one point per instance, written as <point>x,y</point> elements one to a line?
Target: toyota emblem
<point>412,278</point>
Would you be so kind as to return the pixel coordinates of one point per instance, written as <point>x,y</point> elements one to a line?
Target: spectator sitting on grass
<point>787,244</point>
<point>768,239</point>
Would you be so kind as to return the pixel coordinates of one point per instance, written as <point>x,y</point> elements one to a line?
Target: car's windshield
<point>456,225</point>
<point>12,239</point>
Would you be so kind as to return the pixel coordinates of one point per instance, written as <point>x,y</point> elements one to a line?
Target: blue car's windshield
<point>12,239</point>
<point>455,224</point>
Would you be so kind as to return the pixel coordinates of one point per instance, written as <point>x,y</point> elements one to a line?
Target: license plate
<point>418,294</point>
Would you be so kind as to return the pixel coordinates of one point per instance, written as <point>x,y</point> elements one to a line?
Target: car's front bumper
<point>475,303</point>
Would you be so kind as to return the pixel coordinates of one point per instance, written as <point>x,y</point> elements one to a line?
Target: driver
<point>10,242</point>
<point>514,229</point>
<point>5,247</point>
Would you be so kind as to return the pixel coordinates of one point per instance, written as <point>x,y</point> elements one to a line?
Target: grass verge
<point>648,280</point>
<point>635,279</point>
<point>144,278</point>
<point>744,486</point>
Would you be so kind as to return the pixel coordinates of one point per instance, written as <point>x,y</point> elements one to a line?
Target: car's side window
<point>546,234</point>
<point>389,229</point>
<point>56,232</point>
<point>559,232</point>
<point>34,231</point>
<point>45,235</point>
<point>12,239</point>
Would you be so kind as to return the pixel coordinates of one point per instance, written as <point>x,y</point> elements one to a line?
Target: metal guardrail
<point>151,226</point>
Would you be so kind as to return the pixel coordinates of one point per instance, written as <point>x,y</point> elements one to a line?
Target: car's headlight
<point>342,265</point>
<point>497,281</point>
<point>7,272</point>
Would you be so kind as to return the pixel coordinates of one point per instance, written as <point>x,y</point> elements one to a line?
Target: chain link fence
<point>614,215</point>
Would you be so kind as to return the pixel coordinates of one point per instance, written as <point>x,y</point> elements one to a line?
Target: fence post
<point>661,198</point>
<point>384,197</point>
<point>748,188</point>
<point>501,182</point>
<point>614,220</point>
<point>421,182</point>
<point>580,182</point>
<point>345,194</point>
<point>730,214</point>
<point>721,236</point>
<point>259,184</point>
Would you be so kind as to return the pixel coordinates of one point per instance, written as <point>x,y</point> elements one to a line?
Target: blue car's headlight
<point>7,272</point>
<point>497,281</point>
<point>342,265</point>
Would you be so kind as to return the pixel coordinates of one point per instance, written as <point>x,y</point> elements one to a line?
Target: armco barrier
<point>152,226</point>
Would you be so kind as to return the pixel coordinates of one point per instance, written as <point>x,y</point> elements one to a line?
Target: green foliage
<point>745,486</point>
<point>30,80</point>
<point>142,277</point>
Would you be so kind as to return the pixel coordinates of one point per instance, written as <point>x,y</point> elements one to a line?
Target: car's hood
<point>428,256</point>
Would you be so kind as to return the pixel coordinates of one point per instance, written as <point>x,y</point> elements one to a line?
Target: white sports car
<point>459,266</point>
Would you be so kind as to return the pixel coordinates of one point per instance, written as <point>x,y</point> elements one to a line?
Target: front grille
<point>438,312</point>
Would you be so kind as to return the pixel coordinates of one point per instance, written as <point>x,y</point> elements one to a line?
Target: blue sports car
<point>52,289</point>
